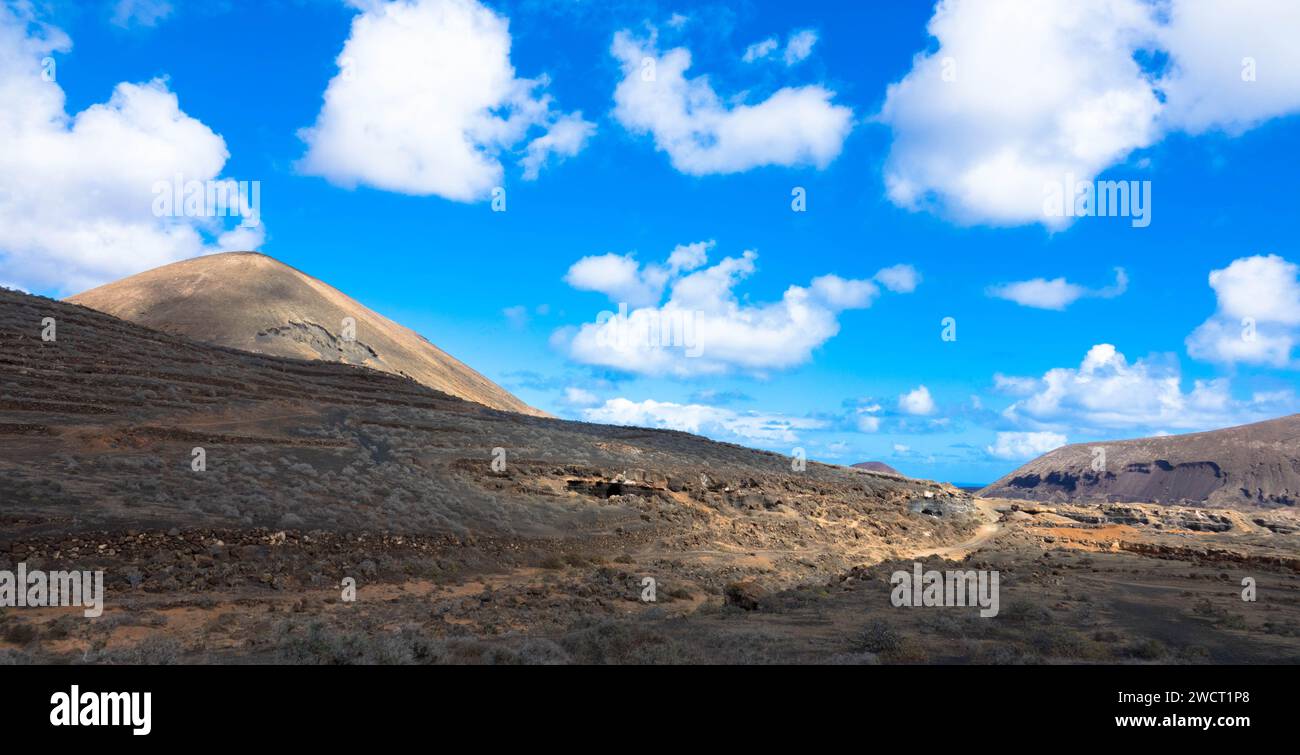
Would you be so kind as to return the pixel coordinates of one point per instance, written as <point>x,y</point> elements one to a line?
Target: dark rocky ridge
<point>1256,465</point>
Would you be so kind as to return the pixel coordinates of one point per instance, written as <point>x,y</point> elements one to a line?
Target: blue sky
<point>911,176</point>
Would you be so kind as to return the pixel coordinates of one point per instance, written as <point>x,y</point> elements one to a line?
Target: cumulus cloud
<point>705,134</point>
<point>1057,293</point>
<point>77,191</point>
<point>619,277</point>
<point>1019,446</point>
<point>703,327</point>
<point>917,402</point>
<point>712,421</point>
<point>1258,315</point>
<point>1233,65</point>
<point>1020,94</point>
<point>1106,392</point>
<point>426,102</point>
<point>901,279</point>
<point>1003,105</point>
<point>624,280</point>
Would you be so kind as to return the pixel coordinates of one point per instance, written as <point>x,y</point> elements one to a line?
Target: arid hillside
<point>99,428</point>
<point>231,498</point>
<point>252,302</point>
<point>1256,465</point>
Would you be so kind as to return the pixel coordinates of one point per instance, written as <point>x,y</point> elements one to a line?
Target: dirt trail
<point>963,549</point>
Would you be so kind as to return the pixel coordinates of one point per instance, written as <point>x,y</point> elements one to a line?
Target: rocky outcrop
<point>746,595</point>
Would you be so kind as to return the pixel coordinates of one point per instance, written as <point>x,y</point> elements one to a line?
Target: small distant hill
<point>877,466</point>
<point>251,302</point>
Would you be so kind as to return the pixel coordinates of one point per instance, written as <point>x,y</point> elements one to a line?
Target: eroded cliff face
<point>1248,466</point>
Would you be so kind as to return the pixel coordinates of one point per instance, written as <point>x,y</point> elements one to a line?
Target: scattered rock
<point>747,595</point>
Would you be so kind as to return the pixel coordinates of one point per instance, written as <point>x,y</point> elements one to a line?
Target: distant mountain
<point>877,466</point>
<point>1250,465</point>
<point>251,302</point>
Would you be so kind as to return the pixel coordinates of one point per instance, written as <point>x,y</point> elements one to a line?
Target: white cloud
<point>867,419</point>
<point>686,257</point>
<point>901,279</point>
<point>1039,293</point>
<point>129,13</point>
<point>565,138</point>
<point>1108,393</point>
<point>426,102</point>
<point>1016,386</point>
<point>702,420</point>
<point>1057,293</point>
<point>624,280</point>
<point>797,48</point>
<point>1258,315</point>
<point>619,277</point>
<point>77,191</point>
<point>843,293</point>
<point>800,46</point>
<point>703,327</point>
<point>1017,446</point>
<point>1038,89</point>
<point>703,134</point>
<point>760,50</point>
<point>574,396</point>
<point>1018,94</point>
<point>1209,43</point>
<point>916,402</point>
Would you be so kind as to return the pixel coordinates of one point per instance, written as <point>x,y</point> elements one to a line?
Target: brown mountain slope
<point>98,429</point>
<point>248,301</point>
<point>1250,465</point>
